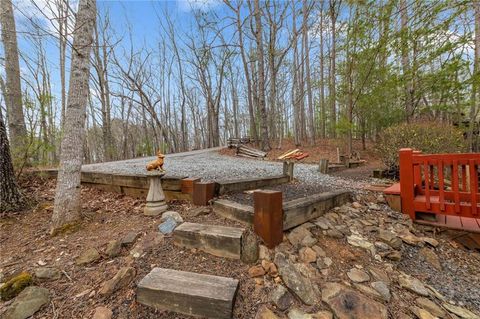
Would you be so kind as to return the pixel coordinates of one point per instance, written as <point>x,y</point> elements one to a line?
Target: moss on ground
<point>15,285</point>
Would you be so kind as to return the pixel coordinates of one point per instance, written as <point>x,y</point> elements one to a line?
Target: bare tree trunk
<point>11,199</point>
<point>406,60</point>
<point>261,78</point>
<point>476,74</point>
<point>323,112</point>
<point>13,90</point>
<point>63,36</point>
<point>67,207</point>
<point>311,114</point>
<point>333,85</point>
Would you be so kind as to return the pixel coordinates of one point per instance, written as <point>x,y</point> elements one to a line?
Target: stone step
<point>233,210</point>
<point>220,241</point>
<point>188,293</point>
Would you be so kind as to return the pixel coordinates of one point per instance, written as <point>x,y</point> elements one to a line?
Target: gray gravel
<point>209,165</point>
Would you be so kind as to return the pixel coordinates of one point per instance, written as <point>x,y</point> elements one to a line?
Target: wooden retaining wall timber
<point>239,185</point>
<point>132,185</point>
<point>299,211</point>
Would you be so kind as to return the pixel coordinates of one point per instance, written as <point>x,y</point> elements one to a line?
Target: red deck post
<point>407,191</point>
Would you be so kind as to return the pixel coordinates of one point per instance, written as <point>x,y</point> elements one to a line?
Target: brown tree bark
<point>333,85</point>
<point>13,90</point>
<point>67,206</point>
<point>406,61</point>
<point>11,199</point>
<point>261,78</point>
<point>476,79</point>
<point>311,112</point>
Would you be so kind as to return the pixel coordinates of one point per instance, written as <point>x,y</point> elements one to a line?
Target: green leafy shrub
<point>428,137</point>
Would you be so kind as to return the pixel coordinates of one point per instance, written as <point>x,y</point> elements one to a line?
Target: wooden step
<point>188,293</point>
<point>220,241</point>
<point>233,210</point>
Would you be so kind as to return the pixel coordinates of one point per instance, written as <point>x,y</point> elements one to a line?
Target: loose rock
<point>281,297</point>
<point>102,313</point>
<point>89,256</point>
<point>382,288</point>
<point>421,313</point>
<point>47,273</point>
<point>307,255</point>
<point>29,301</point>
<point>413,284</point>
<point>357,275</point>
<point>171,214</point>
<point>130,238</point>
<point>460,311</point>
<point>296,236</point>
<point>300,285</point>
<point>113,249</point>
<point>431,306</point>
<point>168,226</point>
<point>256,271</point>
<point>123,277</point>
<point>430,257</point>
<point>390,238</point>
<point>265,313</point>
<point>347,303</point>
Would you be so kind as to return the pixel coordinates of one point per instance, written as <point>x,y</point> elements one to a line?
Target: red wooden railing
<point>445,184</point>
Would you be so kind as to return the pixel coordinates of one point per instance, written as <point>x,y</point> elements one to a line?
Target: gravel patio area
<point>209,165</point>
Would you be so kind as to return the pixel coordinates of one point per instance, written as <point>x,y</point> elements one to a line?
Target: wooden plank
<point>219,241</point>
<point>239,185</point>
<point>188,293</point>
<point>299,211</point>
<point>455,186</point>
<point>233,210</point>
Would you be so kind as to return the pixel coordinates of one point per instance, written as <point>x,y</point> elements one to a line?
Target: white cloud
<point>41,14</point>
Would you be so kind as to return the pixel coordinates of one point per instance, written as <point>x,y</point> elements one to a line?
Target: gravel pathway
<point>209,165</point>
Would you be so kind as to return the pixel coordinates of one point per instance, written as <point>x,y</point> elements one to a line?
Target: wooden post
<point>288,169</point>
<point>187,184</point>
<point>268,216</point>
<point>407,191</point>
<point>417,172</point>
<point>323,166</point>
<point>203,192</point>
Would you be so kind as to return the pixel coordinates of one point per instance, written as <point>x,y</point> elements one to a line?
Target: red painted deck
<point>444,188</point>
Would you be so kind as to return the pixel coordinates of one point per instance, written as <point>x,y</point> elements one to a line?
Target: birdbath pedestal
<point>156,203</point>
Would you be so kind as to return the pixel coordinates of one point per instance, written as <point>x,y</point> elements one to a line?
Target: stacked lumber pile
<point>295,154</point>
<point>246,151</point>
<point>237,141</point>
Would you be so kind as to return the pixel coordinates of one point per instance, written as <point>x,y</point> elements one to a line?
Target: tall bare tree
<point>67,209</point>
<point>13,90</point>
<point>261,77</point>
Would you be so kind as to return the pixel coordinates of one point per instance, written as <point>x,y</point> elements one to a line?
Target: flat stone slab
<point>220,241</point>
<point>233,210</point>
<point>188,293</point>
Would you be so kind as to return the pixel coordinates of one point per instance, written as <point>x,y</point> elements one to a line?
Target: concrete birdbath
<point>156,203</point>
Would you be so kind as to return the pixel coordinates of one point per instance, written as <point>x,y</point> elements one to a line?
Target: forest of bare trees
<point>271,70</point>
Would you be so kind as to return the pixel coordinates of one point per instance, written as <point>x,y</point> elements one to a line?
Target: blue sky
<point>35,15</point>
